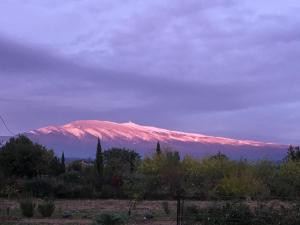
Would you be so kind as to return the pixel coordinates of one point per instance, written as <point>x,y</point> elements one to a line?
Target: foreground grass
<point>83,212</point>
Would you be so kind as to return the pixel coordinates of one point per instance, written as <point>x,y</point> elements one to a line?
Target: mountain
<point>79,138</point>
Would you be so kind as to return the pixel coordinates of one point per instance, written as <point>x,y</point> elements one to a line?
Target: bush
<point>192,209</point>
<point>191,214</point>
<point>149,215</point>
<point>289,179</point>
<point>165,206</point>
<point>37,187</point>
<point>236,214</point>
<point>71,177</point>
<point>111,219</point>
<point>46,208</point>
<point>62,189</point>
<point>240,214</point>
<point>276,215</point>
<point>236,184</point>
<point>230,214</point>
<point>27,207</point>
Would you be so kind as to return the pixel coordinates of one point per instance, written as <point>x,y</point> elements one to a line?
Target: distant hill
<point>78,139</point>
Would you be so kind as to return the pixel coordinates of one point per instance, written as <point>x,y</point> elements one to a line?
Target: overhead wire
<point>6,127</point>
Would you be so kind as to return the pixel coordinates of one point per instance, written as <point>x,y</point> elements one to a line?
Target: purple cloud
<point>216,67</point>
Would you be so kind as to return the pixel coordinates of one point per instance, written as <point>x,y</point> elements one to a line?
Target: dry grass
<point>84,211</point>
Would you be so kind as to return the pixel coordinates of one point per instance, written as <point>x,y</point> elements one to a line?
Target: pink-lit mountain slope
<point>79,138</point>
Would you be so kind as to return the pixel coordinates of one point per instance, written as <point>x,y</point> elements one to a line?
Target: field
<point>84,211</point>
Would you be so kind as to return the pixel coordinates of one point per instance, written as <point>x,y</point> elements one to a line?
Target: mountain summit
<point>78,139</point>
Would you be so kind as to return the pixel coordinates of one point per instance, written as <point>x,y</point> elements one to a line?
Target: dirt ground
<point>83,212</point>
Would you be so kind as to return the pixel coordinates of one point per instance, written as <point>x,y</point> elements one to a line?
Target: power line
<point>3,121</point>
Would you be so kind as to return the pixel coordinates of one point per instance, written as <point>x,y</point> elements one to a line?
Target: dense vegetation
<point>241,214</point>
<point>27,168</point>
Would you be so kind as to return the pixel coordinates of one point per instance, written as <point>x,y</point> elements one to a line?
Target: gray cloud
<point>156,62</point>
<point>73,78</point>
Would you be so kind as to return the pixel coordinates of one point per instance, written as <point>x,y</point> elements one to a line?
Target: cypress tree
<point>158,150</point>
<point>99,159</point>
<point>63,165</point>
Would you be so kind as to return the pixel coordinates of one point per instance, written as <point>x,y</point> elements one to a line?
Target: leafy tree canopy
<point>293,153</point>
<point>21,157</point>
<point>120,161</point>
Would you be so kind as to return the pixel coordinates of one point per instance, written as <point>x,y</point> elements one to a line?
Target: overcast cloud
<point>218,67</point>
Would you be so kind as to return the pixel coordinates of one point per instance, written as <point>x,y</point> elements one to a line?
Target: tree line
<point>30,168</point>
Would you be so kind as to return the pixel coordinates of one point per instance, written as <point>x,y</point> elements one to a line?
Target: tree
<point>171,172</point>
<point>158,150</point>
<point>63,166</point>
<point>99,160</point>
<point>55,167</point>
<point>120,165</point>
<point>163,174</point>
<point>22,158</point>
<point>289,179</point>
<point>120,161</point>
<point>236,184</point>
<point>76,165</point>
<point>293,153</point>
<point>219,156</point>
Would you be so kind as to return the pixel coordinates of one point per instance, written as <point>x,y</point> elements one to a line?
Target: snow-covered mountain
<point>79,138</point>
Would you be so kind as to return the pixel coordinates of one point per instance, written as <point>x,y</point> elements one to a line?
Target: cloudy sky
<point>218,67</point>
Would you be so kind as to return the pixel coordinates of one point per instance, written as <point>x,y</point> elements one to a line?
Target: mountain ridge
<point>78,138</point>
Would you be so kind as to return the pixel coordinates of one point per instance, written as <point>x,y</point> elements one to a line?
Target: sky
<point>218,67</point>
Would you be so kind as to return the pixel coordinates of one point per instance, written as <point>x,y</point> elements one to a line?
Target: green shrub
<point>111,219</point>
<point>149,215</point>
<point>191,214</point>
<point>240,214</point>
<point>276,215</point>
<point>46,208</point>
<point>192,209</point>
<point>292,215</point>
<point>229,214</point>
<point>37,187</point>
<point>67,214</point>
<point>236,184</point>
<point>236,214</point>
<point>165,206</point>
<point>71,177</point>
<point>74,191</point>
<point>9,190</point>
<point>27,207</point>
<point>266,215</point>
<point>289,179</point>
